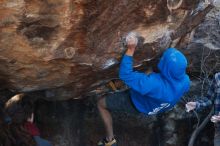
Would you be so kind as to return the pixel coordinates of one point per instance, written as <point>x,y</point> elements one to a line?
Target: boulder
<point>66,49</point>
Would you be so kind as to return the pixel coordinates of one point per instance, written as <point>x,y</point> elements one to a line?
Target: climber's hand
<point>131,41</point>
<point>190,106</point>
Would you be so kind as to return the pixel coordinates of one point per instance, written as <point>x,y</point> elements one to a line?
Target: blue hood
<point>173,65</point>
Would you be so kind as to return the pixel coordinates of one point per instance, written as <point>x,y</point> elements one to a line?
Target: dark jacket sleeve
<point>208,100</point>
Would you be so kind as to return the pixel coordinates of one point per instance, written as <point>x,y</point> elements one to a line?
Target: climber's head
<point>173,64</point>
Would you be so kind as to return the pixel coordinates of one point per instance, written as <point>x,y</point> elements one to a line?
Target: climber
<point>213,97</point>
<point>24,131</point>
<point>149,94</point>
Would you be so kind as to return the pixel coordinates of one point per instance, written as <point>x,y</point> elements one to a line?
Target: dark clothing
<point>217,138</point>
<point>121,102</point>
<point>213,97</point>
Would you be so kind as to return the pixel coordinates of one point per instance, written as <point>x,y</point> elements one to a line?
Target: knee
<point>101,103</point>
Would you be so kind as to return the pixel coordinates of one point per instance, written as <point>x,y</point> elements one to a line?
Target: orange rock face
<point>69,47</point>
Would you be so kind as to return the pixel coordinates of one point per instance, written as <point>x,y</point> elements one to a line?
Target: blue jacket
<point>157,92</point>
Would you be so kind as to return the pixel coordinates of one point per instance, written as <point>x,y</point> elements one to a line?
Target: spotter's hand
<point>215,118</point>
<point>190,106</point>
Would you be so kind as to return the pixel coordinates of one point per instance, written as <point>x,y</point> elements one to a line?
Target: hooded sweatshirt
<point>157,92</point>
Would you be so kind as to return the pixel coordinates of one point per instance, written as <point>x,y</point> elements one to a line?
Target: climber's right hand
<point>190,106</point>
<point>131,41</point>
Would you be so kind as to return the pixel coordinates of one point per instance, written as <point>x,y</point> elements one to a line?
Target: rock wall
<point>65,49</point>
<point>77,123</point>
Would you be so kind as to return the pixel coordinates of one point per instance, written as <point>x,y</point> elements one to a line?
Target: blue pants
<point>41,142</point>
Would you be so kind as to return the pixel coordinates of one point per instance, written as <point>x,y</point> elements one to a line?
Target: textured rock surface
<point>67,48</point>
<point>203,49</point>
<point>75,123</point>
